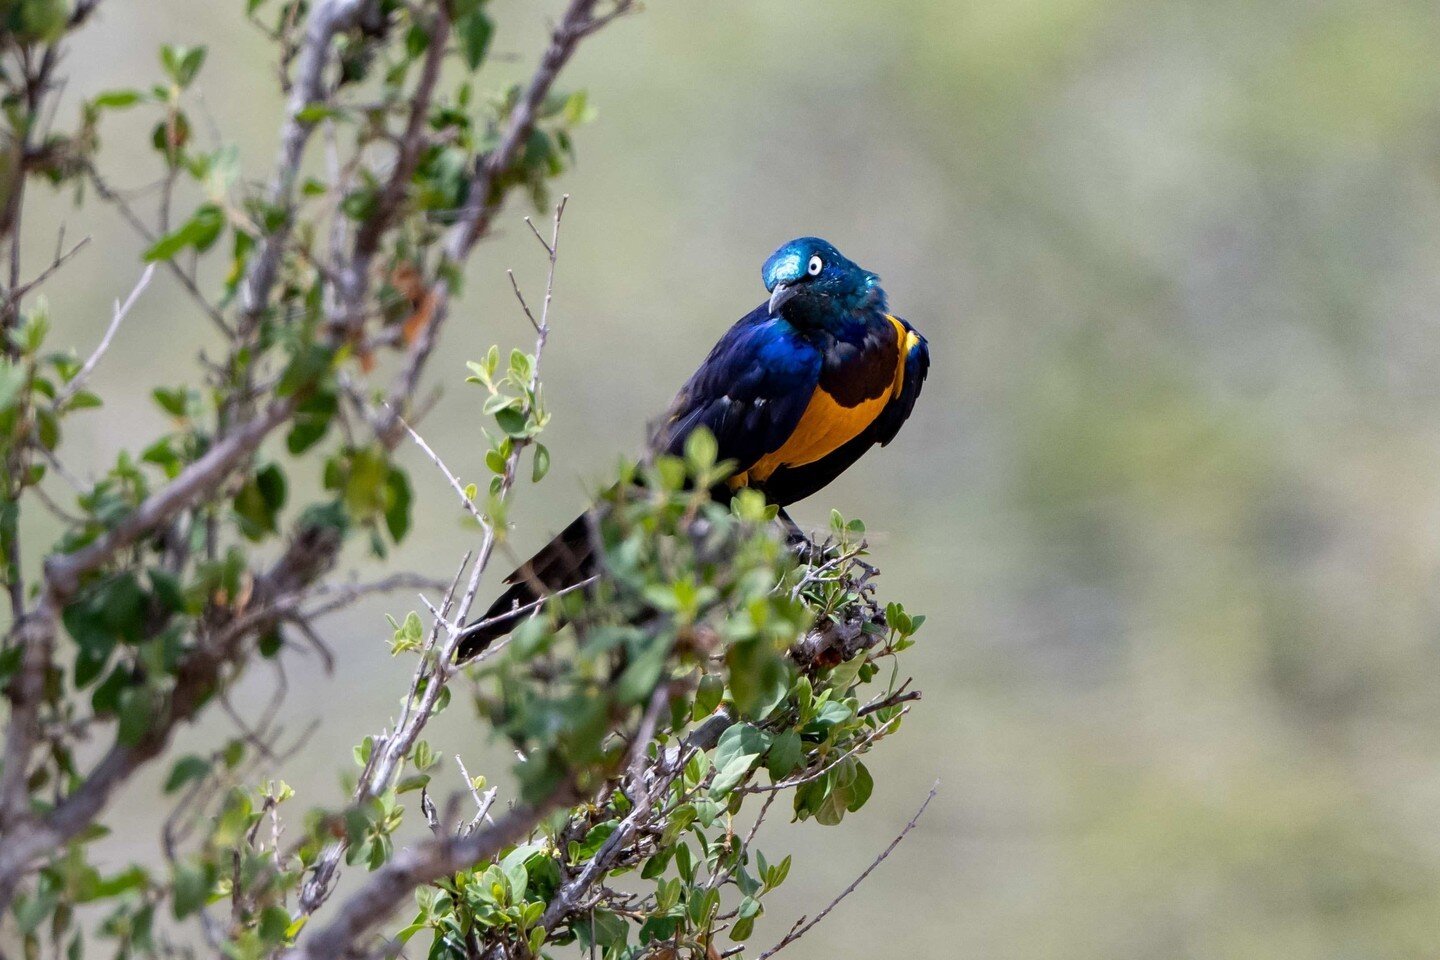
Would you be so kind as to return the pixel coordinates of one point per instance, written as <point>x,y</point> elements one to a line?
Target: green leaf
<point>312,421</point>
<point>186,769</point>
<point>12,381</point>
<point>259,501</point>
<point>117,99</point>
<point>843,676</point>
<point>270,642</point>
<point>786,755</point>
<point>604,930</point>
<point>173,400</point>
<point>182,63</point>
<point>474,31</point>
<point>745,923</point>
<point>578,109</point>
<point>361,204</point>
<point>398,500</point>
<point>316,112</point>
<point>758,677</point>
<point>135,708</point>
<point>36,21</point>
<point>701,450</point>
<point>200,232</point>
<point>512,421</point>
<point>739,747</point>
<point>708,695</point>
<point>274,923</point>
<point>639,679</point>
<point>310,361</point>
<point>542,463</point>
<point>412,783</point>
<point>190,888</point>
<point>860,788</point>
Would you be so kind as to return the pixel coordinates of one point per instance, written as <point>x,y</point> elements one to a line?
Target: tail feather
<point>565,561</point>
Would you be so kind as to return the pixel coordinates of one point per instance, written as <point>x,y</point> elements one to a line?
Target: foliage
<point>707,667</point>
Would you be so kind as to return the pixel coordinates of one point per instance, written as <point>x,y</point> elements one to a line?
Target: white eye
<point>816,265</point>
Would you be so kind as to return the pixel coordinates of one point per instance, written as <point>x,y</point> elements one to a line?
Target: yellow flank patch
<point>907,341</point>
<point>826,425</point>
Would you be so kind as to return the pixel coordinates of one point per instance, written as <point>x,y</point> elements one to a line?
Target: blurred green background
<point>1171,499</point>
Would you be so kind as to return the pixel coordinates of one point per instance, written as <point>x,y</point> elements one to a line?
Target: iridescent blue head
<point>810,283</point>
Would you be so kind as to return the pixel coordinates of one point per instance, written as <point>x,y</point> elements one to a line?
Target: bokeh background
<point>1171,499</point>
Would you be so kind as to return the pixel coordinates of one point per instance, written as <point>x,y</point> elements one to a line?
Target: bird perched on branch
<point>794,393</point>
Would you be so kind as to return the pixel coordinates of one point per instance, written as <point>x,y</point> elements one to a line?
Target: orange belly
<point>826,425</point>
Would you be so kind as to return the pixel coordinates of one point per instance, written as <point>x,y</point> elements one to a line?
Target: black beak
<point>782,293</point>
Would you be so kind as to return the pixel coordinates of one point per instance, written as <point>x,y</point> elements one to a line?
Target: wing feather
<point>749,392</point>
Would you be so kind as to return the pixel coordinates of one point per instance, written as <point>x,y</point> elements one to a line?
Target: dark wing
<point>897,411</point>
<point>749,392</point>
<point>789,484</point>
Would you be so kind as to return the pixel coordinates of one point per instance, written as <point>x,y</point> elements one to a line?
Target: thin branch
<point>59,261</point>
<point>355,276</point>
<point>879,733</point>
<point>801,927</point>
<point>374,777</point>
<point>483,199</point>
<point>898,697</point>
<point>645,788</point>
<point>64,572</point>
<point>483,802</point>
<point>340,597</point>
<point>112,196</point>
<point>465,501</point>
<point>82,12</point>
<point>478,625</point>
<point>121,310</point>
<point>326,19</point>
<point>437,661</point>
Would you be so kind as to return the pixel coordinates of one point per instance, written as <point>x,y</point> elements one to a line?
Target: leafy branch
<point>658,712</point>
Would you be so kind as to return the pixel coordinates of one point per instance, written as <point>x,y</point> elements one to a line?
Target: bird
<point>794,393</point>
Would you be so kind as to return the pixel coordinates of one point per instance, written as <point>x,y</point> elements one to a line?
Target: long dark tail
<point>564,562</point>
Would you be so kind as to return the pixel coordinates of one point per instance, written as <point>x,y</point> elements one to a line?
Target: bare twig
<point>455,484</point>
<point>477,625</point>
<point>340,597</point>
<point>121,310</point>
<point>437,661</point>
<point>483,802</point>
<point>646,786</point>
<point>801,927</point>
<point>898,697</point>
<point>60,260</point>
<point>112,196</point>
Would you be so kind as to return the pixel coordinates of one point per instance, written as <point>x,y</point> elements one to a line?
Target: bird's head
<point>810,281</point>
